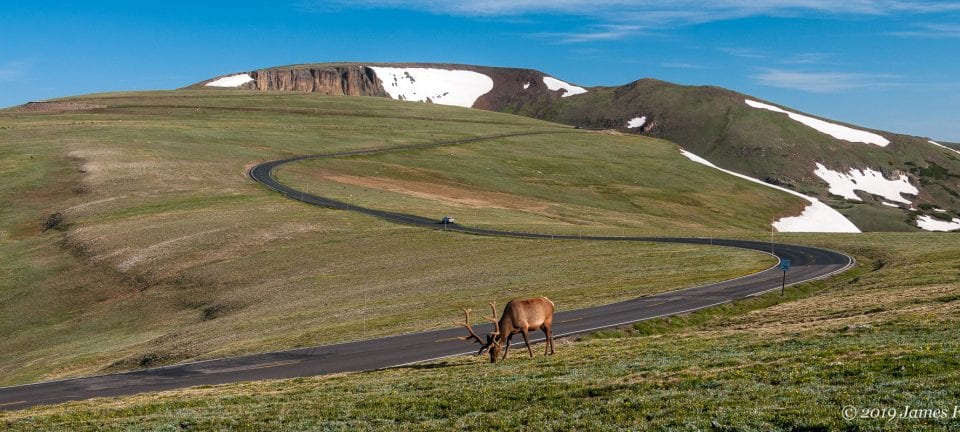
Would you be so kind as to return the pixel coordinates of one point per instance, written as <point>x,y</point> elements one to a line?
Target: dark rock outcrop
<point>517,91</point>
<point>349,80</point>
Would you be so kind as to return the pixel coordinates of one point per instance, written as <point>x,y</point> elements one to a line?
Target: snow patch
<point>816,217</point>
<point>928,223</point>
<point>440,86</point>
<point>636,122</point>
<point>570,89</point>
<point>869,181</point>
<point>230,81</point>
<point>889,204</point>
<point>527,85</point>
<point>834,130</point>
<point>942,146</point>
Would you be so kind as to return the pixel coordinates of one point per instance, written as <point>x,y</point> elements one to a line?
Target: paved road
<point>808,263</point>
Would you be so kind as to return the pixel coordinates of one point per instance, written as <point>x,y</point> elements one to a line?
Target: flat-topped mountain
<point>880,181</point>
<point>490,88</point>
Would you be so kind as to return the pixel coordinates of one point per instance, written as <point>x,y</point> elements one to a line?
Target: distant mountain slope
<point>866,180</point>
<point>881,181</point>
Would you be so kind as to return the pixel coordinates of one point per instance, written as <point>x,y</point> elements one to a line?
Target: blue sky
<point>886,64</point>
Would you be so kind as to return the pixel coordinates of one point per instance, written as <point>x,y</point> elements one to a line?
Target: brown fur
<point>522,316</point>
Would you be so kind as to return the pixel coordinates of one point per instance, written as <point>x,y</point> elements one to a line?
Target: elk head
<point>492,343</point>
<point>493,338</point>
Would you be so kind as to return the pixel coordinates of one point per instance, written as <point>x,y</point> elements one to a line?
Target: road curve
<point>808,263</point>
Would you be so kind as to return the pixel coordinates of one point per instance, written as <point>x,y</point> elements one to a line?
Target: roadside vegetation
<point>131,237</point>
<point>880,336</point>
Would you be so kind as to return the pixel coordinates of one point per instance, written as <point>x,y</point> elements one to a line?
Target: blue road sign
<point>785,265</point>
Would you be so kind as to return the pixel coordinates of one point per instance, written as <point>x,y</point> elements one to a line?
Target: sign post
<point>784,265</point>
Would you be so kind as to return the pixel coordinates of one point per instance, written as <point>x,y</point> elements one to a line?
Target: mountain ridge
<point>816,156</point>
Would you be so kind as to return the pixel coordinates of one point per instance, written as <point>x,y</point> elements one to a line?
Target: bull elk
<point>519,316</point>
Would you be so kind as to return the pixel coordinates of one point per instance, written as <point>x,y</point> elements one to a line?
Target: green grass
<point>162,252</point>
<point>882,336</point>
<point>716,124</point>
<point>166,245</point>
<point>567,183</point>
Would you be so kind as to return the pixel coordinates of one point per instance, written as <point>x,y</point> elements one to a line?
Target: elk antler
<point>493,319</point>
<point>466,325</point>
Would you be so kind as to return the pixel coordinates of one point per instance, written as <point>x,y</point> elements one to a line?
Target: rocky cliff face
<point>350,80</point>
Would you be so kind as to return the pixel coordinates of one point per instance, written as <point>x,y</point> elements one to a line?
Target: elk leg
<point>506,347</point>
<point>549,345</point>
<point>526,340</point>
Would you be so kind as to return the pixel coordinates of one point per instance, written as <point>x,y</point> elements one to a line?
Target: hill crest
<point>882,181</point>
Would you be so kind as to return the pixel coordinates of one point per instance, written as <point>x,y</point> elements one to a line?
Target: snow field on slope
<point>440,86</point>
<point>636,122</point>
<point>555,84</point>
<point>942,146</point>
<point>834,130</point>
<point>816,217</point>
<point>930,224</point>
<point>869,181</point>
<point>230,81</point>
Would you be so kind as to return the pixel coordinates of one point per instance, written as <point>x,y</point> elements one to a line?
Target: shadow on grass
<point>429,366</point>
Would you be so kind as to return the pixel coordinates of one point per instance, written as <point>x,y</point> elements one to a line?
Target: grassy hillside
<point>716,124</point>
<point>577,183</point>
<point>882,336</point>
<point>131,237</point>
<point>710,121</point>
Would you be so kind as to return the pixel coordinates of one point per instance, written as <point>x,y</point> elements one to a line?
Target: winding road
<point>808,263</point>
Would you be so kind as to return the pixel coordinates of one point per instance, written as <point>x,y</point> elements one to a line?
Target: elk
<point>519,316</point>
